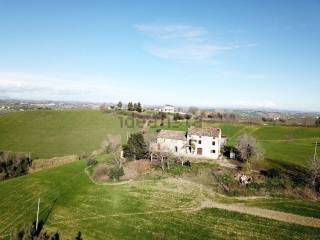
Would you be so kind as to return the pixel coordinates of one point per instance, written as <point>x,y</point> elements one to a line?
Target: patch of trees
<point>266,119</point>
<point>134,107</point>
<point>178,116</point>
<point>167,160</point>
<point>317,122</point>
<point>222,116</point>
<point>136,148</point>
<point>30,233</point>
<point>13,164</point>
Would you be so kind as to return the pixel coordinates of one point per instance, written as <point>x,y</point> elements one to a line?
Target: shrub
<point>115,173</point>
<point>91,162</point>
<point>13,164</point>
<point>275,183</point>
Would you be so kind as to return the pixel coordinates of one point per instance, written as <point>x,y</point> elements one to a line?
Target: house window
<point>213,151</point>
<point>176,148</point>
<point>213,143</point>
<point>199,142</point>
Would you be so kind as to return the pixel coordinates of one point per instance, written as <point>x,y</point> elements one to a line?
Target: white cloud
<point>172,31</point>
<point>188,52</point>
<point>182,42</point>
<point>61,87</point>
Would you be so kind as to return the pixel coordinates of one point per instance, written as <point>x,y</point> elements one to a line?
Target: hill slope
<point>55,133</point>
<point>159,209</point>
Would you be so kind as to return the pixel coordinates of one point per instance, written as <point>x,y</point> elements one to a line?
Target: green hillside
<point>159,209</point>
<point>282,144</point>
<point>55,133</point>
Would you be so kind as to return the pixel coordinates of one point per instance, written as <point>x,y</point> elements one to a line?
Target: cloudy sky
<point>203,53</point>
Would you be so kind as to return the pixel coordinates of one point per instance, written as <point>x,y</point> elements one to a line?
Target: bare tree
<point>250,150</point>
<point>164,155</point>
<point>113,146</point>
<point>315,168</point>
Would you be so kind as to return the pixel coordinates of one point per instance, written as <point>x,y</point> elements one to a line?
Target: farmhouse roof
<point>177,135</point>
<point>210,132</point>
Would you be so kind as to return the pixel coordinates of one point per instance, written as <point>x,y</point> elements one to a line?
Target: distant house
<point>167,109</point>
<point>197,142</point>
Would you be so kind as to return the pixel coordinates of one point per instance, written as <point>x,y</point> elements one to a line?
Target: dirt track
<point>235,207</point>
<point>265,213</point>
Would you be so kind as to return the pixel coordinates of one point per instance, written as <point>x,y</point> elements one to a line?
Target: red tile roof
<point>209,132</point>
<point>178,135</point>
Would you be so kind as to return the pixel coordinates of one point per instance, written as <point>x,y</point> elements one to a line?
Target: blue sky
<point>201,53</point>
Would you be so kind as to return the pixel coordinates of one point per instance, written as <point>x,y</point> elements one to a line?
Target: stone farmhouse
<point>197,142</point>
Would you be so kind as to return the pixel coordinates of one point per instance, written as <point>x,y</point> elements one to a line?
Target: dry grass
<point>134,169</point>
<point>40,164</point>
<point>101,173</point>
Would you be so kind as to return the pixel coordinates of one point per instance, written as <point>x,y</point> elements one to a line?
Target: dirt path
<point>265,213</point>
<point>208,203</point>
<point>240,208</point>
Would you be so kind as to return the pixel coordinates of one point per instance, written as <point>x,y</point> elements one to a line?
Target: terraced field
<point>159,209</point>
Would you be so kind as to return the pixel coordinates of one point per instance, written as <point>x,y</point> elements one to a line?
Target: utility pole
<point>38,215</point>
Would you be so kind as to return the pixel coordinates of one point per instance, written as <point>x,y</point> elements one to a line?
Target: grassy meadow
<point>156,209</point>
<point>56,133</point>
<point>52,133</point>
<point>282,144</point>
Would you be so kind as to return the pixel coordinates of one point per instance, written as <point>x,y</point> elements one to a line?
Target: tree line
<point>134,107</point>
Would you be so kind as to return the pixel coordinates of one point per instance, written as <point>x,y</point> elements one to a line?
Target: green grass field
<point>290,145</point>
<point>56,133</point>
<point>157,209</point>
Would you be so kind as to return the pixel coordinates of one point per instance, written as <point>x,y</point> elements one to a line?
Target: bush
<point>115,173</point>
<point>91,162</point>
<point>13,164</point>
<point>275,183</point>
<point>136,148</point>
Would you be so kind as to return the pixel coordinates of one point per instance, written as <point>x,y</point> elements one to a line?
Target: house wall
<point>206,145</point>
<point>168,109</point>
<point>170,145</point>
<point>166,144</point>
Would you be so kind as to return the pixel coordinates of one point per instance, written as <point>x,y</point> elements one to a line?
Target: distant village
<point>181,112</point>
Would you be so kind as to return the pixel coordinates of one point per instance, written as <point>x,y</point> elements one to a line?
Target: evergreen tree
<point>130,106</point>
<point>136,148</point>
<point>119,105</point>
<point>139,108</point>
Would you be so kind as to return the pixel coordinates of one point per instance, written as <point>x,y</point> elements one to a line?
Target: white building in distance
<point>196,142</point>
<point>167,109</point>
